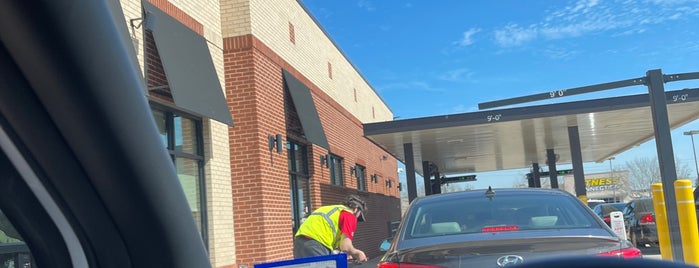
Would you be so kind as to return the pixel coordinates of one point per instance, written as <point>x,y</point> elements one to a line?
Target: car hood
<point>487,253</point>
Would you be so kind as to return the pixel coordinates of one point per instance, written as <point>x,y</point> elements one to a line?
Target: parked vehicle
<point>603,210</point>
<point>594,202</point>
<point>488,228</point>
<point>639,217</point>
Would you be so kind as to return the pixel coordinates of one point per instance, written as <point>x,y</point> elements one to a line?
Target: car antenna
<point>490,193</point>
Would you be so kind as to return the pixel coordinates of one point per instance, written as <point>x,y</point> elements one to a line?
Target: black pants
<point>306,247</point>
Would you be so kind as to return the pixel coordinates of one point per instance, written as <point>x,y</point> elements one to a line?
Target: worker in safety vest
<point>331,228</point>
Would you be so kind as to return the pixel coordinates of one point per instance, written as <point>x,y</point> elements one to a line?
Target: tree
<point>523,183</point>
<point>456,187</point>
<point>645,171</point>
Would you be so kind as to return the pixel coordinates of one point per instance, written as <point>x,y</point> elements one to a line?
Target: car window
<point>629,208</point>
<point>13,251</point>
<point>512,213</point>
<point>644,205</point>
<point>606,209</point>
<point>597,209</point>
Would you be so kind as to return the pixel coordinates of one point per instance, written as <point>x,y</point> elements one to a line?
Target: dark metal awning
<point>517,137</point>
<point>306,109</point>
<point>188,66</point>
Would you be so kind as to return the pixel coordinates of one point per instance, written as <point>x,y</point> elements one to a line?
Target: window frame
<point>336,165</point>
<point>170,114</point>
<point>360,174</point>
<point>298,174</point>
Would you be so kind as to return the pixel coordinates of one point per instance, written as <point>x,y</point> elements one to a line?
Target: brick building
<point>295,141</point>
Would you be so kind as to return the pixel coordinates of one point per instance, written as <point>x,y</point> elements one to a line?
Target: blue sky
<point>430,58</point>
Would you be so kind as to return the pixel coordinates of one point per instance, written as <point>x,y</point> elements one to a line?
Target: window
<point>360,174</point>
<point>330,70</point>
<point>298,178</point>
<point>292,35</point>
<point>182,136</point>
<point>336,168</point>
<point>13,251</point>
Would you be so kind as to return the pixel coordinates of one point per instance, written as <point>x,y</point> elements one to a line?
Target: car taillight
<point>626,253</point>
<point>607,219</point>
<point>405,265</point>
<point>647,218</point>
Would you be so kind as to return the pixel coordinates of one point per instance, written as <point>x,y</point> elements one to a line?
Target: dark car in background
<point>639,217</point>
<point>495,228</point>
<point>594,202</point>
<point>603,210</point>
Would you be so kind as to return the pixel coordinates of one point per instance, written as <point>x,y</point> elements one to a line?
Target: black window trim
<point>199,157</point>
<point>361,177</point>
<point>339,171</point>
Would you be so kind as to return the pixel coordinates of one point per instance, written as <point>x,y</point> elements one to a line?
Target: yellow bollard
<point>661,221</point>
<point>583,198</point>
<point>688,221</point>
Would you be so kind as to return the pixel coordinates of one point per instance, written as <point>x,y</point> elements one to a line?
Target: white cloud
<point>409,85</point>
<point>457,75</point>
<point>559,53</point>
<point>467,38</point>
<point>514,35</point>
<point>584,6</point>
<point>367,5</point>
<point>586,17</point>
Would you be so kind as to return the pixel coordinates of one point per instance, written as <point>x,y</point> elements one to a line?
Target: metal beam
<point>536,175</point>
<point>426,175</point>
<point>410,171</point>
<point>522,113</point>
<point>682,76</point>
<point>562,93</point>
<point>551,162</point>
<point>437,186</point>
<point>666,159</point>
<point>576,156</point>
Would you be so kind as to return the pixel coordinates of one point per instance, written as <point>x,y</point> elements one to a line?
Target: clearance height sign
<point>602,184</point>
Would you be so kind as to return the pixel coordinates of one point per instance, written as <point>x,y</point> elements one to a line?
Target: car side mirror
<point>385,245</point>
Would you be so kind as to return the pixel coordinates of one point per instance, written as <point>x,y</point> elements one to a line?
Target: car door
<point>85,180</point>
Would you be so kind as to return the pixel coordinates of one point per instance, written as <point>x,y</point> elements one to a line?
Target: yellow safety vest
<point>323,225</point>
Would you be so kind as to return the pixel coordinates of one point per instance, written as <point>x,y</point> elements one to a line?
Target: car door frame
<point>79,143</point>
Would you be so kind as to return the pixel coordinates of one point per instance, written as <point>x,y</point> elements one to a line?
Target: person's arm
<point>347,246</point>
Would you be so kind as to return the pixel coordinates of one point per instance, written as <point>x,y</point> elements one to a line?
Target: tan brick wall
<point>311,53</point>
<point>218,194</point>
<point>132,10</point>
<point>235,18</point>
<point>206,12</point>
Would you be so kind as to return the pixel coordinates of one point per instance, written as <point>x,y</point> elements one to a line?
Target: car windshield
<point>503,213</point>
